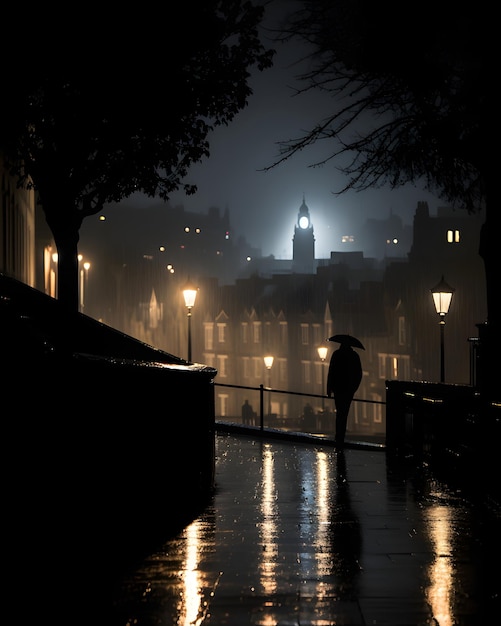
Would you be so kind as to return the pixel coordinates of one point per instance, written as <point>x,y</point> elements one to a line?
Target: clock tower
<point>303,243</point>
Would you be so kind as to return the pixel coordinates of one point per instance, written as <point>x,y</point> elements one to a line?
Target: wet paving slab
<point>302,534</point>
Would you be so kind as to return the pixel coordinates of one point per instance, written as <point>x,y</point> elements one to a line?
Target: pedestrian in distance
<point>343,380</point>
<point>247,413</point>
<point>309,418</point>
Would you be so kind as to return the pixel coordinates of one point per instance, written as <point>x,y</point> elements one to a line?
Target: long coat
<point>345,372</point>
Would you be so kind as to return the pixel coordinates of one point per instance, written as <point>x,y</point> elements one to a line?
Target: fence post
<point>261,405</point>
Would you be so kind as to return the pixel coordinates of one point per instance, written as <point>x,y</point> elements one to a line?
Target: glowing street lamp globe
<point>268,361</point>
<point>442,297</point>
<point>190,295</point>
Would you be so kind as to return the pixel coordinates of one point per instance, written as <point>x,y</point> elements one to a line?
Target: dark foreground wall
<point>108,446</point>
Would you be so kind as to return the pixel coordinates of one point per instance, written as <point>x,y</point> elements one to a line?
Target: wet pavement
<point>299,534</point>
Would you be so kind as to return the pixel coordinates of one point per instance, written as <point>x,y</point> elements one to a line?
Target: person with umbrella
<point>343,380</point>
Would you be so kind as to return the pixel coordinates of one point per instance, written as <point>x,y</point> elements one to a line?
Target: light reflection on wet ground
<point>298,534</point>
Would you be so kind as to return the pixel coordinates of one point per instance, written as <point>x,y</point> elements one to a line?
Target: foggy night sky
<point>263,206</point>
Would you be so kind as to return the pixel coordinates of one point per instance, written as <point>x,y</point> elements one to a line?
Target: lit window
<point>222,360</point>
<point>317,334</point>
<point>209,336</point>
<point>305,335</point>
<point>258,367</point>
<point>223,403</point>
<point>394,367</point>
<point>256,328</point>
<point>221,333</point>
<point>246,366</point>
<point>453,236</point>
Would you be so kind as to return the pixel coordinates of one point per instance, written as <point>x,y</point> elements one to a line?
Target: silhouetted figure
<point>343,379</point>
<point>309,419</point>
<point>247,413</point>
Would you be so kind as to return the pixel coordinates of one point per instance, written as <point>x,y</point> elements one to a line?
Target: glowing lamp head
<point>322,352</point>
<point>268,361</point>
<point>442,296</point>
<point>190,295</point>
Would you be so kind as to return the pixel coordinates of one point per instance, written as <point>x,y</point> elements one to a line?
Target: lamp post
<point>85,280</point>
<point>53,276</point>
<point>83,270</point>
<point>189,294</point>
<point>442,296</point>
<point>322,353</point>
<point>268,361</point>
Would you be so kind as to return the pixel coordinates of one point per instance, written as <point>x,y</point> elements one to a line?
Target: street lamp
<point>190,294</point>
<point>322,353</point>
<point>268,361</point>
<point>84,278</point>
<point>442,296</point>
<point>83,270</point>
<point>53,276</point>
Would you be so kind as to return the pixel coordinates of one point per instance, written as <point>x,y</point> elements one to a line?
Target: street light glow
<point>190,295</point>
<point>442,296</point>
<point>322,352</point>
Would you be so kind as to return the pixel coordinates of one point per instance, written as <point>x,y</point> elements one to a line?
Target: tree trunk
<point>64,221</point>
<point>67,270</point>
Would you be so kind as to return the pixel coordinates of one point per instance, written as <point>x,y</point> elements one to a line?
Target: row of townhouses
<point>287,308</point>
<point>249,307</point>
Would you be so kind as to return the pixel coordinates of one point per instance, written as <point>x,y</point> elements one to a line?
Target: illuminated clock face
<point>304,222</point>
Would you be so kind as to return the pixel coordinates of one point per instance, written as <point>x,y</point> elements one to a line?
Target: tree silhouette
<point>101,106</point>
<point>410,88</point>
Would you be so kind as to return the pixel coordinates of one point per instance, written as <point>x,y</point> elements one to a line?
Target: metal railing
<point>325,420</point>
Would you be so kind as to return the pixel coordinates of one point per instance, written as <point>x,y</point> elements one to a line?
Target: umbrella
<point>349,339</point>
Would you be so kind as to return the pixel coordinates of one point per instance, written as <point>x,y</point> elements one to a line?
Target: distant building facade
<point>17,228</point>
<point>249,307</point>
<point>288,314</point>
